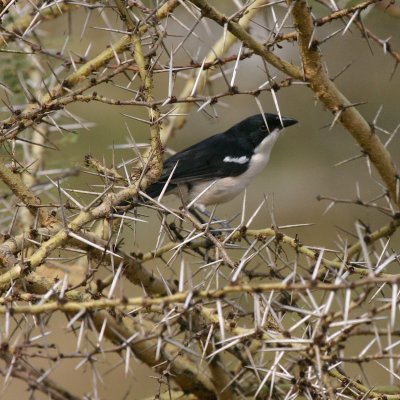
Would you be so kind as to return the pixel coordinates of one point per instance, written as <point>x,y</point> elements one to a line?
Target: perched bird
<point>223,165</point>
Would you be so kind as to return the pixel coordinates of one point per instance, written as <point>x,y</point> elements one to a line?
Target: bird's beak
<point>286,121</point>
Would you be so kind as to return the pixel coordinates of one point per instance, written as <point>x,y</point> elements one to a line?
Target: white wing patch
<point>237,160</point>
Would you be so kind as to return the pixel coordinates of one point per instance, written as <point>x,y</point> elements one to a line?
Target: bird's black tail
<point>152,191</point>
<point>155,189</point>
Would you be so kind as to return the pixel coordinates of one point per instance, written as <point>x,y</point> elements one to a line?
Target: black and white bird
<point>220,167</point>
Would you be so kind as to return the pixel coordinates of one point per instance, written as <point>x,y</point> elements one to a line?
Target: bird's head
<point>259,126</point>
<point>265,123</point>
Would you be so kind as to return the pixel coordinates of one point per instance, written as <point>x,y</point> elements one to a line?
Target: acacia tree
<point>273,318</point>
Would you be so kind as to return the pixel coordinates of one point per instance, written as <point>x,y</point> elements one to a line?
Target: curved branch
<point>248,40</point>
<point>82,73</point>
<point>325,90</point>
<point>336,102</point>
<point>184,371</point>
<point>18,187</point>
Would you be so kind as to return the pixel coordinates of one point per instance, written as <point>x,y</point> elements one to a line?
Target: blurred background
<point>302,165</point>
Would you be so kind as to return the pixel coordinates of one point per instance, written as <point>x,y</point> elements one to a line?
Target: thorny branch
<point>223,312</point>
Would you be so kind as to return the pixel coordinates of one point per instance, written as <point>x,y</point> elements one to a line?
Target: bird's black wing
<point>204,161</point>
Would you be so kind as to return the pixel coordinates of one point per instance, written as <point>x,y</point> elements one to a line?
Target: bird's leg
<point>195,212</point>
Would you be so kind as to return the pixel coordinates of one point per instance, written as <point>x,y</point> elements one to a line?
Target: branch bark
<point>325,90</point>
<point>331,97</point>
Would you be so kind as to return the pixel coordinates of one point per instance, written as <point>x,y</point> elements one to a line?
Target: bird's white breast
<point>226,189</point>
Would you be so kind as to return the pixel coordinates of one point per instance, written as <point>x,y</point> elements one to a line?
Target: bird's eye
<point>264,128</point>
